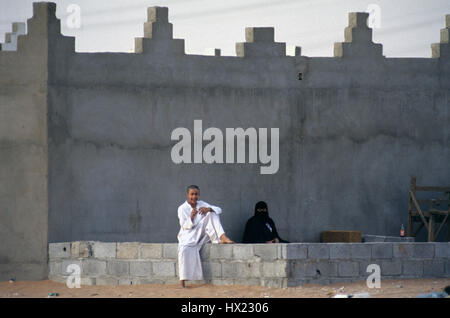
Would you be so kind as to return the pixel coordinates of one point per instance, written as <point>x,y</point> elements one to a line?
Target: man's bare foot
<point>225,240</point>
<point>182,284</point>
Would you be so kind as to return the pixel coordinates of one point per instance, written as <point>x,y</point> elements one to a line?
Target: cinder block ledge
<point>275,265</point>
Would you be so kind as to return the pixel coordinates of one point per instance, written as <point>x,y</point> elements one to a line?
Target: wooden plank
<point>432,201</point>
<point>440,227</point>
<point>413,197</point>
<point>431,229</point>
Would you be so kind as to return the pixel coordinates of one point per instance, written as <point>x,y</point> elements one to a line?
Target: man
<point>260,228</point>
<point>199,224</point>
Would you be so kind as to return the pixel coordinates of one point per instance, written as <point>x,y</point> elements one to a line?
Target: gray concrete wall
<point>24,153</point>
<point>352,132</point>
<point>275,265</point>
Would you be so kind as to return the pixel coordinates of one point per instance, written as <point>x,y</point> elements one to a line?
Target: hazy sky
<point>407,27</point>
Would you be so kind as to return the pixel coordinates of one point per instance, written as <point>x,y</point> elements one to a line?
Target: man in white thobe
<point>199,224</point>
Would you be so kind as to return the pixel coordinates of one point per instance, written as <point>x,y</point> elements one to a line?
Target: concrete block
<point>403,250</point>
<point>373,238</point>
<point>104,250</point>
<point>447,268</point>
<point>442,250</point>
<point>212,269</point>
<point>275,269</point>
<point>318,251</point>
<point>66,263</point>
<point>205,251</point>
<point>82,249</point>
<point>382,250</point>
<point>88,281</point>
<point>348,268</point>
<point>412,268</point>
<point>261,34</point>
<point>360,251</point>
<point>243,251</point>
<point>170,251</point>
<point>274,282</point>
<point>391,267</point>
<point>222,282</point>
<point>266,251</point>
<point>319,281</point>
<point>118,268</point>
<point>164,269</point>
<point>221,251</point>
<point>294,251</point>
<point>140,268</point>
<point>434,268</point>
<point>93,267</point>
<point>240,269</point>
<point>321,268</point>
<point>106,281</point>
<point>340,250</point>
<point>151,251</point>
<point>128,281</point>
<point>424,250</point>
<point>128,250</point>
<point>59,250</point>
<point>55,267</point>
<point>247,281</point>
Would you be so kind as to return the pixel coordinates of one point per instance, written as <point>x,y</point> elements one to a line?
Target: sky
<point>406,28</point>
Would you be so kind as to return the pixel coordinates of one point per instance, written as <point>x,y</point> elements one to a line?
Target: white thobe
<point>193,235</point>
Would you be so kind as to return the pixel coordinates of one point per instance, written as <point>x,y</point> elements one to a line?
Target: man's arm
<point>186,223</point>
<point>213,208</point>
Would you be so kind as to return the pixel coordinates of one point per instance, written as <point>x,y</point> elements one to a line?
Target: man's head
<point>193,194</point>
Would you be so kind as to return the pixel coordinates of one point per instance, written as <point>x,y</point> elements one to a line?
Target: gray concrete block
<point>266,251</point>
<point>348,268</point>
<point>294,251</point>
<point>442,250</point>
<point>67,262</point>
<point>104,250</point>
<point>170,251</point>
<point>391,267</point>
<point>372,238</point>
<point>82,249</point>
<point>140,268</point>
<point>277,268</point>
<point>412,268</point>
<point>106,281</point>
<point>274,282</point>
<point>247,282</point>
<point>205,251</point>
<point>403,250</point>
<point>434,268</point>
<point>360,251</point>
<point>88,281</point>
<point>221,251</point>
<point>318,251</point>
<point>381,250</point>
<point>243,251</point>
<point>93,267</point>
<point>124,281</point>
<point>340,250</point>
<point>321,268</point>
<point>212,269</point>
<point>222,282</point>
<point>447,268</point>
<point>127,250</point>
<point>59,250</point>
<point>55,267</point>
<point>240,269</point>
<point>118,268</point>
<point>151,251</point>
<point>164,269</point>
<point>424,250</point>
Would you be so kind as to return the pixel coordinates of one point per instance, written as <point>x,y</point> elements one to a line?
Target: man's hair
<point>192,187</point>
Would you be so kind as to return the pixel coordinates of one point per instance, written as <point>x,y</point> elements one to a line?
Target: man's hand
<point>204,210</point>
<point>193,214</point>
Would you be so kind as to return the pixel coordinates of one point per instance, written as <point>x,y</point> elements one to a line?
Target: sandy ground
<point>389,289</point>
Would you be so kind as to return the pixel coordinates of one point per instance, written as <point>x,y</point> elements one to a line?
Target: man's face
<point>193,196</point>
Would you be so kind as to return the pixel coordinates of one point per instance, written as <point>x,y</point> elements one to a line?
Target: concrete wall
<point>352,132</point>
<point>275,265</point>
<point>24,153</point>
